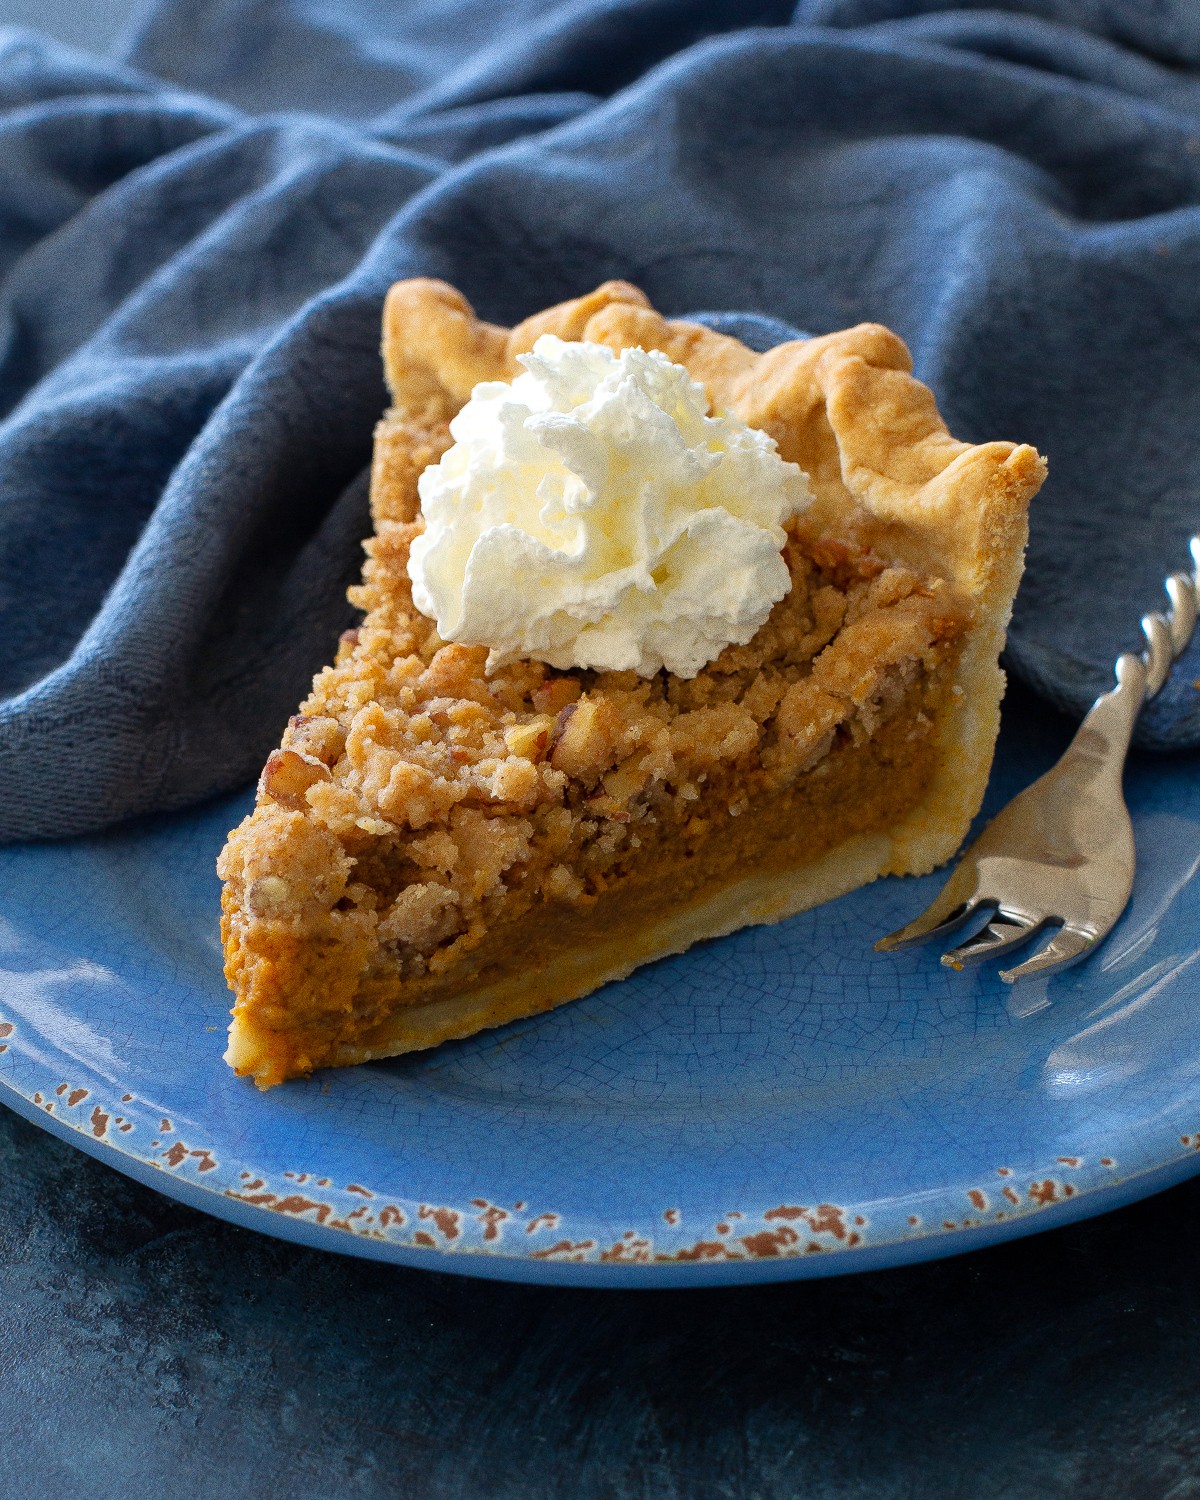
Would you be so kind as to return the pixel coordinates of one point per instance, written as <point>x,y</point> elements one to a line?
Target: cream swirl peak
<point>592,514</point>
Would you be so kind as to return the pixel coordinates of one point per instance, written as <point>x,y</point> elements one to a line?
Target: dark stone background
<point>147,1350</point>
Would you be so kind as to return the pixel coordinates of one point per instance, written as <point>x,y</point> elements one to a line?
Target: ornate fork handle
<point>1062,852</point>
<point>1140,678</point>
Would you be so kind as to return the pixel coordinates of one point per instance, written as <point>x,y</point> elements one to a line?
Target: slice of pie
<point>436,849</point>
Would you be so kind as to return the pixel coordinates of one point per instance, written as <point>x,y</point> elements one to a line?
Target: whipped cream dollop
<point>592,514</point>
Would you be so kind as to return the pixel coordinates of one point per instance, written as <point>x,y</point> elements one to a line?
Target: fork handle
<point>1104,735</point>
<point>1106,731</point>
<point>1139,678</point>
<point>1168,634</point>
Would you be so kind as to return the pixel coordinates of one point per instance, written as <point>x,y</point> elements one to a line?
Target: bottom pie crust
<point>580,969</point>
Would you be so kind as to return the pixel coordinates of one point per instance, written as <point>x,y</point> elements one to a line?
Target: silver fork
<point>1061,854</point>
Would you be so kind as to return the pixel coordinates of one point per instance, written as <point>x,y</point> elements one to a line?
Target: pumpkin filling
<point>604,801</point>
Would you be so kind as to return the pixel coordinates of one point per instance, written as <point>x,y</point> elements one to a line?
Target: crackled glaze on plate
<point>781,1103</point>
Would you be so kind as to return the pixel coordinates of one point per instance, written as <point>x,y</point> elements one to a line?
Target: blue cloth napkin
<point>196,241</point>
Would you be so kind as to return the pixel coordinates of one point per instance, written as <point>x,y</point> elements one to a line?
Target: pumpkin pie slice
<point>437,848</point>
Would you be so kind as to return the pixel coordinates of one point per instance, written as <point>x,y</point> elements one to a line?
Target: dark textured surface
<point>141,1342</point>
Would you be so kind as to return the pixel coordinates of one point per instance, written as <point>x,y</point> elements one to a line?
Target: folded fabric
<point>196,242</point>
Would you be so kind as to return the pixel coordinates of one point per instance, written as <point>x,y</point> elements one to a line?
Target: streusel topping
<point>414,793</point>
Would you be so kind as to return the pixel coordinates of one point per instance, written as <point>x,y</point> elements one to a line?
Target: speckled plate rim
<point>926,1245</point>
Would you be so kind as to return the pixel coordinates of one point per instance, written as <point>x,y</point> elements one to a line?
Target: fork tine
<point>1068,947</point>
<point>1062,853</point>
<point>930,925</point>
<point>1006,931</point>
<point>958,902</point>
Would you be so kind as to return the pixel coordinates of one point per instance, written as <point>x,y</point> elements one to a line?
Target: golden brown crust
<point>418,810</point>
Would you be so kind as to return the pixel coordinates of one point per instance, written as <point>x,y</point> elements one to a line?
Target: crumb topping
<point>414,798</point>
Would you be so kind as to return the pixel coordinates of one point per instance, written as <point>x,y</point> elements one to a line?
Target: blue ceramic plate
<point>782,1103</point>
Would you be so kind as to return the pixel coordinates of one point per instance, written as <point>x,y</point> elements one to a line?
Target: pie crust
<point>435,851</point>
